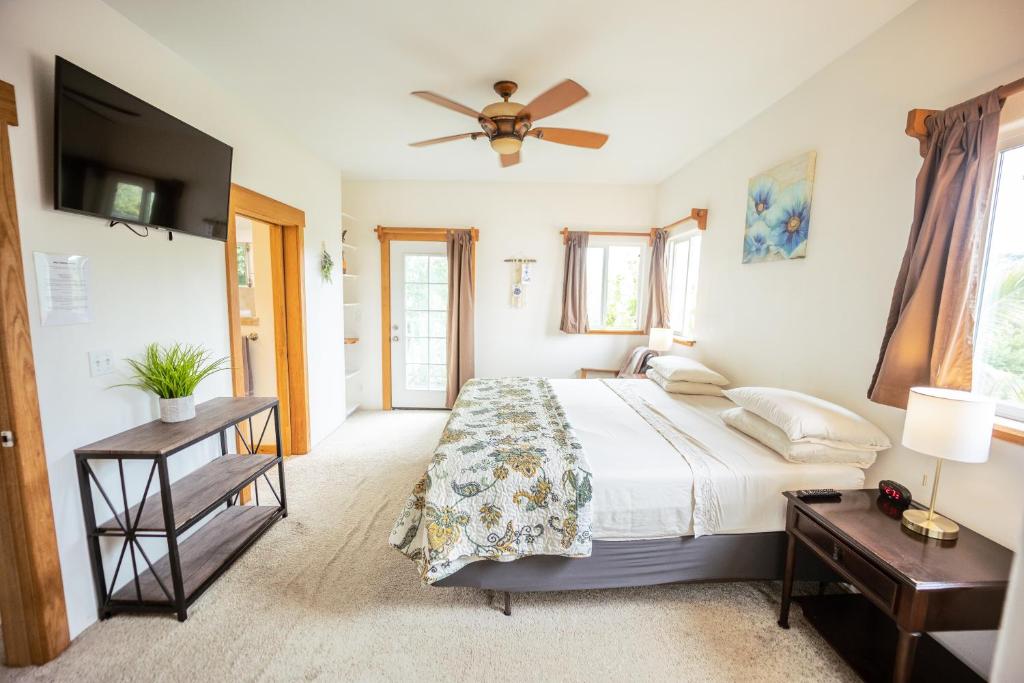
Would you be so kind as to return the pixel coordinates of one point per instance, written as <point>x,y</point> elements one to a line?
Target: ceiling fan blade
<point>447,138</point>
<point>571,136</point>
<point>448,104</point>
<point>509,160</point>
<point>565,94</point>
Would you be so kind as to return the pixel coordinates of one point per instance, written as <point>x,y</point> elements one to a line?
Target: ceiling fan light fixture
<point>506,145</point>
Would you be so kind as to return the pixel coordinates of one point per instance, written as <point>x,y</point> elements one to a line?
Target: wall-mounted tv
<point>124,160</point>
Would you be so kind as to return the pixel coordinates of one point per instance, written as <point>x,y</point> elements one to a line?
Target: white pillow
<point>684,387</point>
<point>679,369</point>
<point>774,438</point>
<point>806,419</point>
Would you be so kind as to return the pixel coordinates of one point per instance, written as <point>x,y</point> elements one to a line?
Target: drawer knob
<point>837,552</point>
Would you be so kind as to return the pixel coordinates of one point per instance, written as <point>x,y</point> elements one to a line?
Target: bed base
<point>621,564</point>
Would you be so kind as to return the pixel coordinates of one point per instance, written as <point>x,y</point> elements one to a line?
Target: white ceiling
<point>667,78</point>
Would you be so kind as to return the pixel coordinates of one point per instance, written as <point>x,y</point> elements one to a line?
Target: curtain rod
<point>917,119</point>
<point>698,215</point>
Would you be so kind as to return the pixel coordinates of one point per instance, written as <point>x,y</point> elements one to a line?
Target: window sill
<point>684,342</point>
<point>1006,429</point>
<point>632,332</point>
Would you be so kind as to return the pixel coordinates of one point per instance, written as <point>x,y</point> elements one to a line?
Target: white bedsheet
<point>643,488</point>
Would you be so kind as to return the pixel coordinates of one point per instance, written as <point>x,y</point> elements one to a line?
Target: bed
<point>673,494</point>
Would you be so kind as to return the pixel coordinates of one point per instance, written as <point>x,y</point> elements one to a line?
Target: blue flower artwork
<point>779,211</point>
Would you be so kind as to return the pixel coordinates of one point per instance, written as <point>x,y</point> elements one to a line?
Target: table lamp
<point>948,425</point>
<point>660,339</point>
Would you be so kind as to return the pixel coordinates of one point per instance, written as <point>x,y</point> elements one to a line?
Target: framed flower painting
<point>779,211</point>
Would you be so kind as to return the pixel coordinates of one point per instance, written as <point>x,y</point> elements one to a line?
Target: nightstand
<point>920,584</point>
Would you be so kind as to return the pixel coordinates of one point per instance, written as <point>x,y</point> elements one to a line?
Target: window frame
<point>603,243</point>
<point>1006,412</point>
<point>675,239</point>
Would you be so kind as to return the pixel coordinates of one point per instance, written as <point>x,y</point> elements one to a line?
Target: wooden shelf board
<point>162,438</point>
<point>216,544</point>
<point>351,340</point>
<point>197,492</point>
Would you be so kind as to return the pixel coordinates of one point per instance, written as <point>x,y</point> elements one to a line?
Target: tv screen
<point>124,160</point>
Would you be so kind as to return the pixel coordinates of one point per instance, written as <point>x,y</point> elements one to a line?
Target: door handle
<point>395,338</point>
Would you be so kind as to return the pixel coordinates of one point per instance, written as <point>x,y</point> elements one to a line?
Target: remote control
<point>818,495</point>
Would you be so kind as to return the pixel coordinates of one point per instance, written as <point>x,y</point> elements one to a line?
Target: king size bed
<point>542,485</point>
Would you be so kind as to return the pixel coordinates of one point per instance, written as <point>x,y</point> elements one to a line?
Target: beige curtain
<point>461,305</point>
<point>657,300</point>
<point>574,284</point>
<point>929,337</point>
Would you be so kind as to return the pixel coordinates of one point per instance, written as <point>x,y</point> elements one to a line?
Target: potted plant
<point>173,373</point>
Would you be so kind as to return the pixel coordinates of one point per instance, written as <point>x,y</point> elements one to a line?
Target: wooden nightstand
<point>919,583</point>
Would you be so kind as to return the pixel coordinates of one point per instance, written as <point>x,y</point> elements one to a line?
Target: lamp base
<point>937,527</point>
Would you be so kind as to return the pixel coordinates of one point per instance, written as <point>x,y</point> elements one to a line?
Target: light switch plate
<point>100,363</point>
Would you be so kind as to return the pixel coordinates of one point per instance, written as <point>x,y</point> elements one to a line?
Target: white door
<point>419,324</point>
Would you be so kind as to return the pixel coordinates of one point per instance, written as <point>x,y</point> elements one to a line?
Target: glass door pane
<point>426,321</point>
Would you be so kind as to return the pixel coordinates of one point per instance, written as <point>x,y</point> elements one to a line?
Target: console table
<point>173,582</point>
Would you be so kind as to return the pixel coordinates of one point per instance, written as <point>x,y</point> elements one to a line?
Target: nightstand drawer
<point>872,581</point>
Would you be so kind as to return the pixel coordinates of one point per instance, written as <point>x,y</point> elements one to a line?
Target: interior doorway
<point>264,263</point>
<point>260,251</point>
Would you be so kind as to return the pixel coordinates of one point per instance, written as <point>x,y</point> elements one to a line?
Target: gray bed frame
<point>620,564</point>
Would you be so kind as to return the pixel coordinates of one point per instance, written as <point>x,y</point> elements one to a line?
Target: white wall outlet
<point>100,363</point>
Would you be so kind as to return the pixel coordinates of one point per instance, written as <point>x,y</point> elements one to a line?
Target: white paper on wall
<point>63,284</point>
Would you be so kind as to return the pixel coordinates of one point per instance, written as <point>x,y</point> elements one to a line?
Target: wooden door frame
<point>386,236</point>
<point>287,228</point>
<point>32,607</point>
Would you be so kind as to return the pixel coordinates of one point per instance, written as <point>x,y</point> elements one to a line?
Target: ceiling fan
<point>506,124</point>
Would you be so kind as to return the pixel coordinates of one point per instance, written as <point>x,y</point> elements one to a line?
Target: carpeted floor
<point>323,597</point>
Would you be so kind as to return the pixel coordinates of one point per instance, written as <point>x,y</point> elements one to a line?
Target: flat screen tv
<point>124,160</point>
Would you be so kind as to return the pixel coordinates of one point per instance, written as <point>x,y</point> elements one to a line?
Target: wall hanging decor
<point>779,211</point>
<point>326,263</point>
<point>521,276</point>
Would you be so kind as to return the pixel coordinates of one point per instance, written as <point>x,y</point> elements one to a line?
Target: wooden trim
<point>627,332</point>
<point>917,119</point>
<point>292,375</point>
<point>1008,430</point>
<point>698,215</point>
<point>33,613</point>
<point>295,321</point>
<point>385,235</point>
<point>684,342</point>
<point>385,320</point>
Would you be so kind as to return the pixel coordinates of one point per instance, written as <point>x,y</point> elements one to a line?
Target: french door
<point>419,324</point>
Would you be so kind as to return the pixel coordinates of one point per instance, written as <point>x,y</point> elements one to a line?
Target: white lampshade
<point>661,339</point>
<point>950,424</point>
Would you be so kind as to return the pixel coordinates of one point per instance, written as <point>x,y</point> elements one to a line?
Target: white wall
<point>515,220</point>
<point>144,290</point>
<point>816,324</point>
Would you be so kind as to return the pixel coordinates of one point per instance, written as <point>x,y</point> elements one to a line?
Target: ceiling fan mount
<point>506,124</point>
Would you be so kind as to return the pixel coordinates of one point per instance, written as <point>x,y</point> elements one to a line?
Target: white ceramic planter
<point>177,409</point>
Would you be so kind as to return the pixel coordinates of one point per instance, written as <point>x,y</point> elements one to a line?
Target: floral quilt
<point>508,479</point>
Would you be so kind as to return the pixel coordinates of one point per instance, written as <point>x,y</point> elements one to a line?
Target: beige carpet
<point>323,597</point>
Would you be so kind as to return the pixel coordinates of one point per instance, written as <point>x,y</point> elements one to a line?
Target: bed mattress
<point>644,489</point>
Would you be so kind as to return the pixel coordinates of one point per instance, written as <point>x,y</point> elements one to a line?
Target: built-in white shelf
<point>351,247</point>
<point>351,375</point>
<point>349,275</point>
<point>354,303</point>
<point>351,409</point>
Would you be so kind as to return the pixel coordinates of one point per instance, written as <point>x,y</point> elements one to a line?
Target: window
<point>999,346</point>
<point>615,274</point>
<point>683,265</point>
<point>426,322</point>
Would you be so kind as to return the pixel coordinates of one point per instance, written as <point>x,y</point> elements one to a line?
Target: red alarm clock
<point>894,491</point>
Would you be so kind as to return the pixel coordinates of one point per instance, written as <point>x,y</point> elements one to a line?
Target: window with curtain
<point>999,344</point>
<point>616,281</point>
<point>683,266</point>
